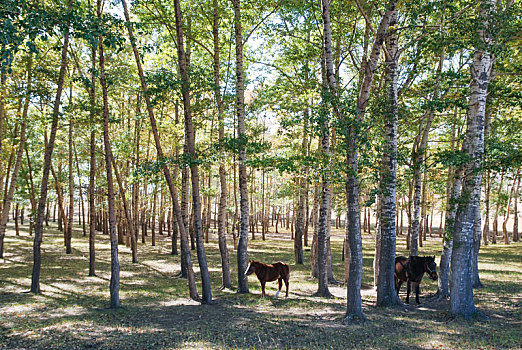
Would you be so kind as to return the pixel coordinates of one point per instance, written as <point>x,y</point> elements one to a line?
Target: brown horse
<point>411,270</point>
<point>268,273</point>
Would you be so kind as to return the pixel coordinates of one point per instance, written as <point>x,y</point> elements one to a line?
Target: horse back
<point>283,269</point>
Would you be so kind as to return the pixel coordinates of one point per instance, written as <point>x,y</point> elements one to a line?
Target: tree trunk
<point>354,311</point>
<point>386,294</point>
<point>418,156</point>
<point>115,264</point>
<point>62,217</point>
<point>222,209</point>
<point>126,212</point>
<point>330,85</point>
<point>38,232</point>
<point>516,237</point>
<point>153,218</point>
<point>92,169</point>
<point>172,189</point>
<point>81,218</point>
<point>68,247</point>
<point>447,248</point>
<point>19,155</point>
<point>461,287</point>
<point>242,259</point>
<point>495,220</point>
<point>190,142</point>
<point>476,248</point>
<point>487,195</point>
<point>301,207</point>
<point>32,192</point>
<point>511,196</point>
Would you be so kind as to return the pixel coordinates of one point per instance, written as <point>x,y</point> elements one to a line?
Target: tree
<point>225,259</point>
<point>242,258</point>
<point>461,283</point>
<point>115,264</point>
<point>386,294</point>
<point>186,259</point>
<point>19,155</point>
<point>190,148</point>
<point>38,231</point>
<point>354,304</point>
<point>328,76</point>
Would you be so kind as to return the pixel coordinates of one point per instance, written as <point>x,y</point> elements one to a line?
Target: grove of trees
<point>229,120</point>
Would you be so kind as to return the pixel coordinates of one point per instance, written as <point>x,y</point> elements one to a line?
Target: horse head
<point>430,267</point>
<point>251,268</point>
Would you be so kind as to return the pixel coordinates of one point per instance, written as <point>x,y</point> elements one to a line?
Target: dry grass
<point>156,312</point>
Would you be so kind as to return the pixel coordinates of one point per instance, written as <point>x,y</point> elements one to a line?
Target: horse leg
<point>286,284</point>
<point>398,284</point>
<point>408,292</point>
<point>417,291</point>
<point>262,288</point>
<point>280,280</point>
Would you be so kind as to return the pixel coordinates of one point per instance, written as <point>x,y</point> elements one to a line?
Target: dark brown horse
<point>268,273</point>
<point>411,270</point>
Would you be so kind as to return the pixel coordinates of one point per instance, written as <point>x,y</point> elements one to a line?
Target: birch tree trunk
<point>447,248</point>
<point>386,294</point>
<point>242,259</point>
<point>222,224</point>
<point>354,311</point>
<point>477,231</point>
<point>461,284</point>
<point>194,171</point>
<point>329,97</point>
<point>418,154</point>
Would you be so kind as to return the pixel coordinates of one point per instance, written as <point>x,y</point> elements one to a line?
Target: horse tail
<point>284,270</point>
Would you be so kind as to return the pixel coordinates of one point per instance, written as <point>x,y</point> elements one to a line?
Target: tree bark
<point>495,220</point>
<point>185,251</point>
<point>418,157</point>
<point>222,224</point>
<point>126,212</point>
<point>354,304</point>
<point>19,155</point>
<point>386,294</point>
<point>38,232</point>
<point>461,286</point>
<point>301,208</point>
<point>516,237</point>
<point>92,169</point>
<point>447,248</point>
<point>115,264</point>
<point>68,247</point>
<point>242,258</point>
<point>508,210</point>
<point>190,141</point>
<point>329,97</point>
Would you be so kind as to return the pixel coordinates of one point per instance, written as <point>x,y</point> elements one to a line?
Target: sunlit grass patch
<point>156,312</point>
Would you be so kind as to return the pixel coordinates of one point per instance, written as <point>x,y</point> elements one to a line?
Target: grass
<point>156,313</point>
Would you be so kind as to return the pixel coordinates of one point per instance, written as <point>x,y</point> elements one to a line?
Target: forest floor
<point>71,312</point>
